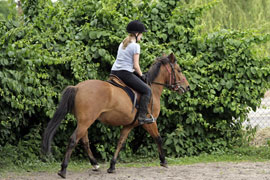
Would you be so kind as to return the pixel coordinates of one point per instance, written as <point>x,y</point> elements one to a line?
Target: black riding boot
<point>144,101</point>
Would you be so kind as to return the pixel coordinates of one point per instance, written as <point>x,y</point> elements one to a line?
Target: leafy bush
<point>67,42</point>
<point>25,152</point>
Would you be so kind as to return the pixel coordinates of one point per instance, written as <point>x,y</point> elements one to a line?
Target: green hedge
<point>61,44</point>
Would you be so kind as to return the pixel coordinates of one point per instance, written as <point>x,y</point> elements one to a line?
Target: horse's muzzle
<point>182,90</point>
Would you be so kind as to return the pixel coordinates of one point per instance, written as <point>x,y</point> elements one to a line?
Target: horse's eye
<point>179,70</point>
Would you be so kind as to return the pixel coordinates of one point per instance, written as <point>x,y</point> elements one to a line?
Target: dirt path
<point>201,171</point>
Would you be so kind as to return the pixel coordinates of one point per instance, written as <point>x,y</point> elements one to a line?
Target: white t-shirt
<point>124,59</point>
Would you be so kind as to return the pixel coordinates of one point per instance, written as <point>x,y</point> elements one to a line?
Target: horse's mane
<point>155,67</point>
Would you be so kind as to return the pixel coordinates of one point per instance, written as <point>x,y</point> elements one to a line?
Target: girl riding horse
<point>93,100</point>
<point>127,62</point>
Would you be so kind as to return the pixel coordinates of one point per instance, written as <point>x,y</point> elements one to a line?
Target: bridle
<point>173,84</point>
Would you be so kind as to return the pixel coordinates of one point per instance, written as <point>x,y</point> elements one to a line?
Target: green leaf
<point>253,70</point>
<point>168,141</point>
<point>177,148</point>
<point>93,48</point>
<point>11,53</point>
<point>92,35</point>
<point>229,84</point>
<point>154,11</point>
<point>201,63</point>
<point>101,52</point>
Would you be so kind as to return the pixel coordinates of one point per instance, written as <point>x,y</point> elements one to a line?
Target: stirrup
<point>148,120</point>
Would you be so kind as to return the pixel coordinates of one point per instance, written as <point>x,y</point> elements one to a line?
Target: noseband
<point>173,84</point>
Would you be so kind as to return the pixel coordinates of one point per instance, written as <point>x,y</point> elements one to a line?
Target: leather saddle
<point>134,96</point>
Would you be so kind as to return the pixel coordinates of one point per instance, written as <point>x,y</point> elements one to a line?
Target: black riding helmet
<point>135,27</point>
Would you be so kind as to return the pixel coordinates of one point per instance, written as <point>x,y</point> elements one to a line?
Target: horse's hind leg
<point>123,136</point>
<point>91,157</point>
<point>153,131</point>
<point>74,139</point>
<point>71,145</point>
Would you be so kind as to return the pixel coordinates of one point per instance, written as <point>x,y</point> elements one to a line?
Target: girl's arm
<point>137,68</point>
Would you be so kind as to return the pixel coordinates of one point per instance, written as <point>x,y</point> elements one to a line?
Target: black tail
<point>65,106</point>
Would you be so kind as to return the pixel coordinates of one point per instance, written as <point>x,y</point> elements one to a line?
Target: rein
<point>173,84</point>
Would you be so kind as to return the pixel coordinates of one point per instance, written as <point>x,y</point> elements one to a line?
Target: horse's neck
<point>156,88</point>
<point>156,94</point>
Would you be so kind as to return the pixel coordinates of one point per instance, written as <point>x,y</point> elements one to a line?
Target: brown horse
<point>95,99</point>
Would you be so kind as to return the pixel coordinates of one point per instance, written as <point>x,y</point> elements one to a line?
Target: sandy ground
<point>201,171</point>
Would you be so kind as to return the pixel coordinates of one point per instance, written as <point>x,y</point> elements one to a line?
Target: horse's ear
<point>171,58</point>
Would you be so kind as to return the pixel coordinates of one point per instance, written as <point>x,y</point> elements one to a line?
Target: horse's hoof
<point>164,165</point>
<point>63,175</point>
<point>95,167</point>
<point>111,170</point>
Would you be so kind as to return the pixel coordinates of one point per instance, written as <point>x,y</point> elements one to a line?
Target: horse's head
<point>166,72</point>
<point>176,80</point>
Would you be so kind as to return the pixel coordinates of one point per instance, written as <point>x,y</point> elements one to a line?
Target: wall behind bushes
<point>60,44</point>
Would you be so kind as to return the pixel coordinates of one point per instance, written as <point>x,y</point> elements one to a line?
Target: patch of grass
<point>251,154</point>
<point>239,154</point>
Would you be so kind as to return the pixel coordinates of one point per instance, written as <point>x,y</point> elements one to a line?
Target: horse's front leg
<point>123,136</point>
<point>153,131</point>
<point>163,161</point>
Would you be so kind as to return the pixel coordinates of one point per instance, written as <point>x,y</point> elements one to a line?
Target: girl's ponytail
<point>127,40</point>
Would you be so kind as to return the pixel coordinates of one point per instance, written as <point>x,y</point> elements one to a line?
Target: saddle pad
<point>114,80</point>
